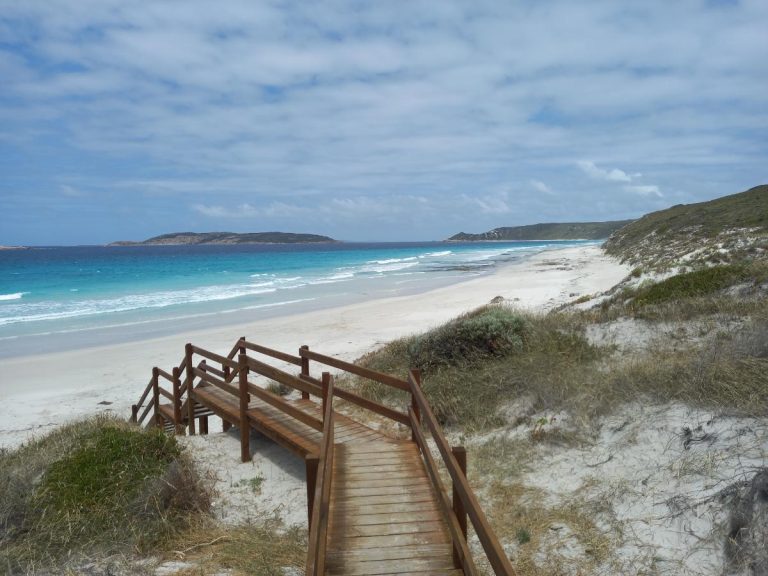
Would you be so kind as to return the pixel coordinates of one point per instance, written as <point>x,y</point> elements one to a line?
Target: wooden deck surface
<point>384,514</point>
<point>384,517</point>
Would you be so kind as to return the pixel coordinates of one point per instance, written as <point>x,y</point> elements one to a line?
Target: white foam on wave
<point>393,267</point>
<point>14,296</point>
<point>66,310</point>
<point>437,254</point>
<point>393,260</point>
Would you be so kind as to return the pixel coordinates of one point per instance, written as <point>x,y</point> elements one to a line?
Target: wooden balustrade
<point>491,545</point>
<point>320,504</point>
<point>230,374</point>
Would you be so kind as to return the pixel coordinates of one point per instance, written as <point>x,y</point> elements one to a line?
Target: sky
<point>387,120</point>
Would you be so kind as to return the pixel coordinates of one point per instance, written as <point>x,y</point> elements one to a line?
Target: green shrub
<point>486,332</point>
<point>694,284</point>
<point>94,488</point>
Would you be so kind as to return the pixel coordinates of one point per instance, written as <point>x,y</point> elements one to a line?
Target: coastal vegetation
<point>548,231</point>
<point>200,238</point>
<point>91,490</point>
<point>726,229</point>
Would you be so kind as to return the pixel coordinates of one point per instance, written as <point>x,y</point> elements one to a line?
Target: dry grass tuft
<point>262,547</point>
<point>93,489</point>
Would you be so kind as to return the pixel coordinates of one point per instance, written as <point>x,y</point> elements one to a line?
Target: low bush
<point>487,332</point>
<point>93,489</point>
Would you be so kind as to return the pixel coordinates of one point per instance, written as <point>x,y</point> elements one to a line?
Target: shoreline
<point>41,392</point>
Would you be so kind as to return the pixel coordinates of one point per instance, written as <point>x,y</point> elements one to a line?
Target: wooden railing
<point>232,376</point>
<point>319,504</point>
<point>464,501</point>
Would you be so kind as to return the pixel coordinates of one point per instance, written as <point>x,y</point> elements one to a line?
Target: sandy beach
<point>41,392</point>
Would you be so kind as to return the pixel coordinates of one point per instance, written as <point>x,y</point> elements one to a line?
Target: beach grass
<point>94,489</point>
<point>477,365</point>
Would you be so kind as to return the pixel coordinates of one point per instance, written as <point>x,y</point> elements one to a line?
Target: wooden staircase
<point>376,502</point>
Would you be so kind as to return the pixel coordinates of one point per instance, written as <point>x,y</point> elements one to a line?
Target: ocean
<point>58,298</point>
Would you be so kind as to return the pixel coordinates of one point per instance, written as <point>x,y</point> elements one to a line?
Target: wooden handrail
<point>355,369</point>
<point>273,353</point>
<point>223,360</point>
<point>381,409</point>
<point>318,526</point>
<point>459,540</point>
<point>208,378</point>
<point>145,394</point>
<point>282,377</point>
<point>140,419</point>
<point>493,549</point>
<point>164,374</point>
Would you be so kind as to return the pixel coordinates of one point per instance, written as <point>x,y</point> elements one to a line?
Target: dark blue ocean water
<point>65,290</point>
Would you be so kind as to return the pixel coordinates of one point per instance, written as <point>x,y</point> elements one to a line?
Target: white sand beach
<point>38,393</point>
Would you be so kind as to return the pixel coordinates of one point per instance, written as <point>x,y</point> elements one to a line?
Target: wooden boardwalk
<point>376,504</point>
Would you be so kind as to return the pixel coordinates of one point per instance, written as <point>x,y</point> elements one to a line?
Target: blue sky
<point>371,120</point>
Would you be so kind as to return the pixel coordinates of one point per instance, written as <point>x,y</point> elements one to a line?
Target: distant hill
<point>188,238</point>
<point>715,231</point>
<point>551,231</point>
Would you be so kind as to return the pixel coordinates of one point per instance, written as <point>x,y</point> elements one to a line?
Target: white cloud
<point>71,191</point>
<point>539,186</point>
<point>240,211</point>
<point>374,105</point>
<point>645,190</point>
<point>614,175</point>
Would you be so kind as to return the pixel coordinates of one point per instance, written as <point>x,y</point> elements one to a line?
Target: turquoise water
<point>114,293</point>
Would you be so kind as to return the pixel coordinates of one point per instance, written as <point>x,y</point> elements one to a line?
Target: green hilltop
<point>546,231</point>
<point>719,230</point>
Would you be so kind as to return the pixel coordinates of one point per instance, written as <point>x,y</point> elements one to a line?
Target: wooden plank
<point>414,496</point>
<point>361,508</point>
<point>391,540</point>
<point>226,410</point>
<point>363,519</point>
<point>394,566</point>
<point>353,530</point>
<point>346,483</point>
<point>399,552</point>
<point>347,493</point>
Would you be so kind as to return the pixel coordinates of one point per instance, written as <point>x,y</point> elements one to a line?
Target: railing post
<point>178,425</point>
<point>242,349</point>
<point>326,383</point>
<point>190,389</point>
<point>245,426</point>
<point>415,405</point>
<point>311,463</point>
<point>156,397</point>
<point>134,413</point>
<point>304,370</point>
<point>460,453</point>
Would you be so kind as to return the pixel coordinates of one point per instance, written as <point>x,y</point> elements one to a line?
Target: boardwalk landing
<point>377,504</point>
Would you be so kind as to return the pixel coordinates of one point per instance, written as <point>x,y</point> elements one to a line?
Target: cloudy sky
<point>384,120</point>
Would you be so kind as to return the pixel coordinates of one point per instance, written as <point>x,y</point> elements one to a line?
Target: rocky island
<point>197,238</point>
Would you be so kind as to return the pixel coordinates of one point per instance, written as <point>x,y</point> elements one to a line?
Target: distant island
<point>547,231</point>
<point>198,238</point>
